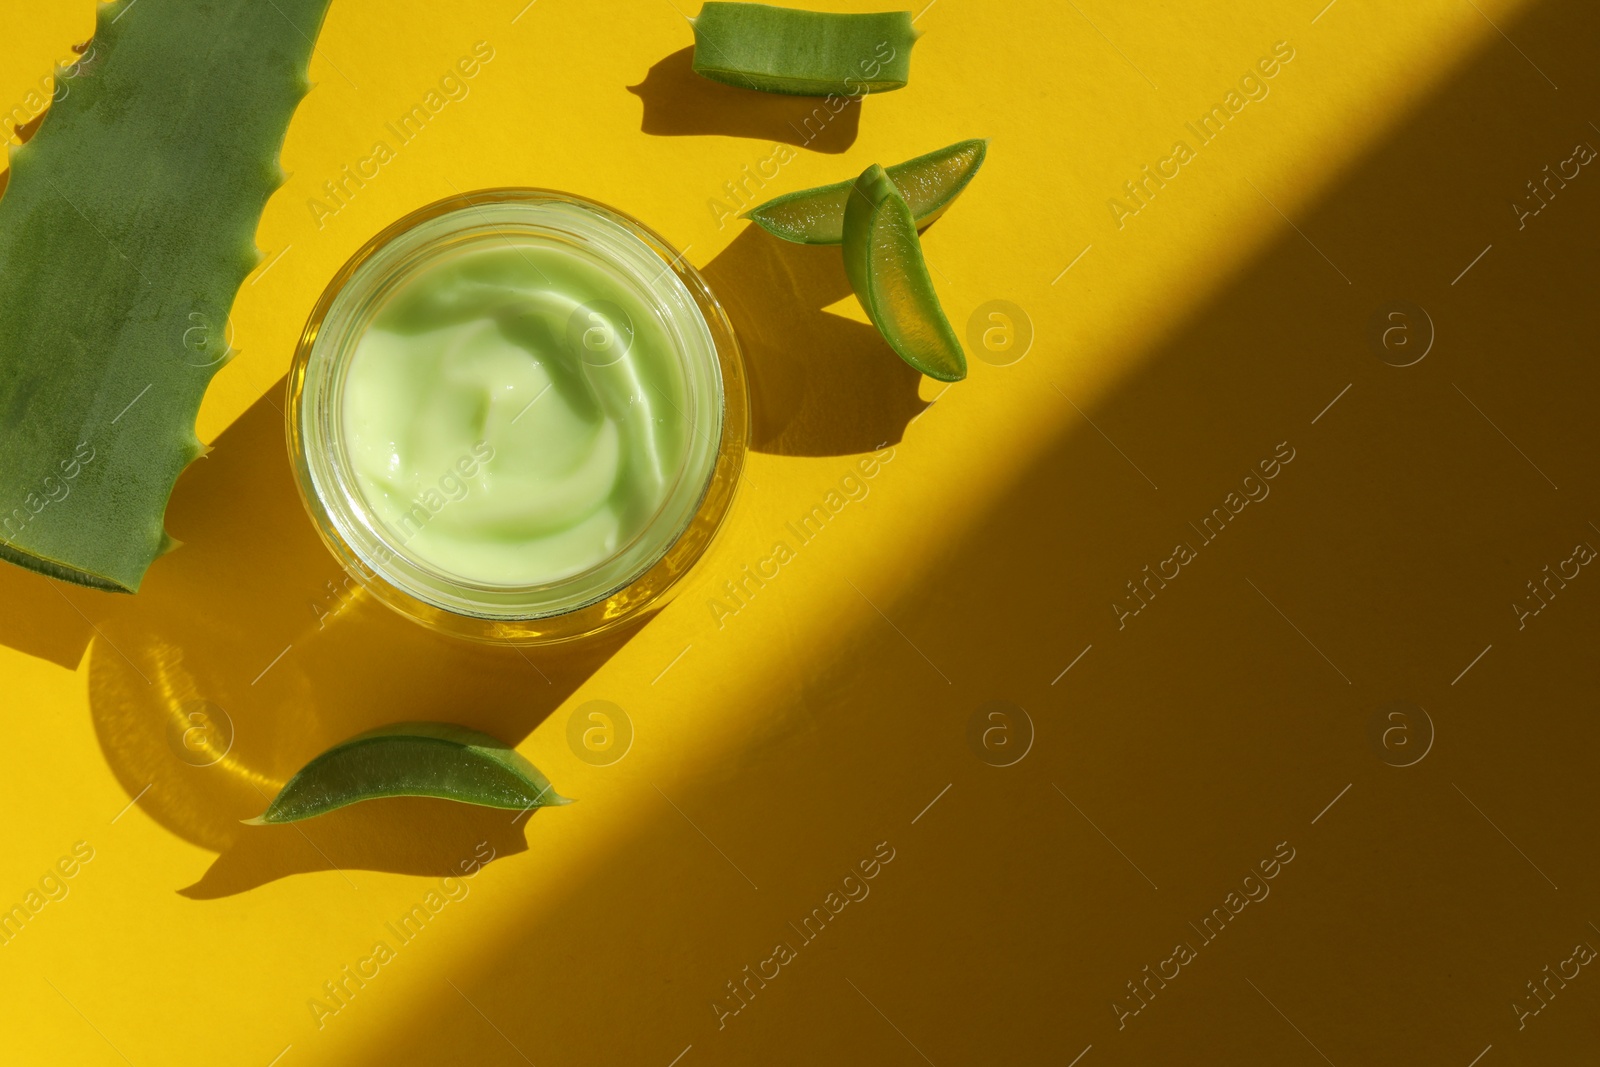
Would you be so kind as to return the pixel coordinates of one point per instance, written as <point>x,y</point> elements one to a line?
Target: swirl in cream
<point>513,415</point>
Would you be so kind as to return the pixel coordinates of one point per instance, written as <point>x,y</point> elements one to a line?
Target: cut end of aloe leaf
<point>413,759</point>
<point>929,183</point>
<point>883,259</point>
<point>803,53</point>
<point>52,569</point>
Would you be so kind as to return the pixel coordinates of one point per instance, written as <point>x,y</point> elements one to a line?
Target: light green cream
<point>514,414</point>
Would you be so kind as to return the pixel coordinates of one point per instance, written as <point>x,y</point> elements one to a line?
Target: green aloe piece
<point>413,759</point>
<point>803,53</point>
<point>929,184</point>
<point>126,228</point>
<point>883,259</point>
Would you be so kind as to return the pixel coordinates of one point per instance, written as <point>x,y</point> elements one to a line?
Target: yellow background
<point>775,748</point>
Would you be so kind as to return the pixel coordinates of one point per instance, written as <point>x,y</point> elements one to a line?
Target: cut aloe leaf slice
<point>803,53</point>
<point>883,258</point>
<point>929,184</point>
<point>413,759</point>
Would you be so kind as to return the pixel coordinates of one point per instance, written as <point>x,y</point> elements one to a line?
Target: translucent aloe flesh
<point>803,53</point>
<point>929,184</point>
<point>883,259</point>
<point>126,228</point>
<point>413,759</point>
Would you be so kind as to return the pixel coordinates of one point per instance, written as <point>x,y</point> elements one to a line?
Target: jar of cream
<point>518,415</point>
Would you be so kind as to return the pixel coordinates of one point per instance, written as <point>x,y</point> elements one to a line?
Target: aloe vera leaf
<point>929,184</point>
<point>883,259</point>
<point>803,53</point>
<point>126,228</point>
<point>413,759</point>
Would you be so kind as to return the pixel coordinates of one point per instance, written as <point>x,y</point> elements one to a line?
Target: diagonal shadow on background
<point>1211,727</point>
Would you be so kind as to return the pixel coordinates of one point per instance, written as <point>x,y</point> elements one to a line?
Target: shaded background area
<point>847,710</point>
<point>1209,733</point>
<point>234,665</point>
<point>820,384</point>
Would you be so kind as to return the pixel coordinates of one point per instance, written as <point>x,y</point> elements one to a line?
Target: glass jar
<point>699,356</point>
